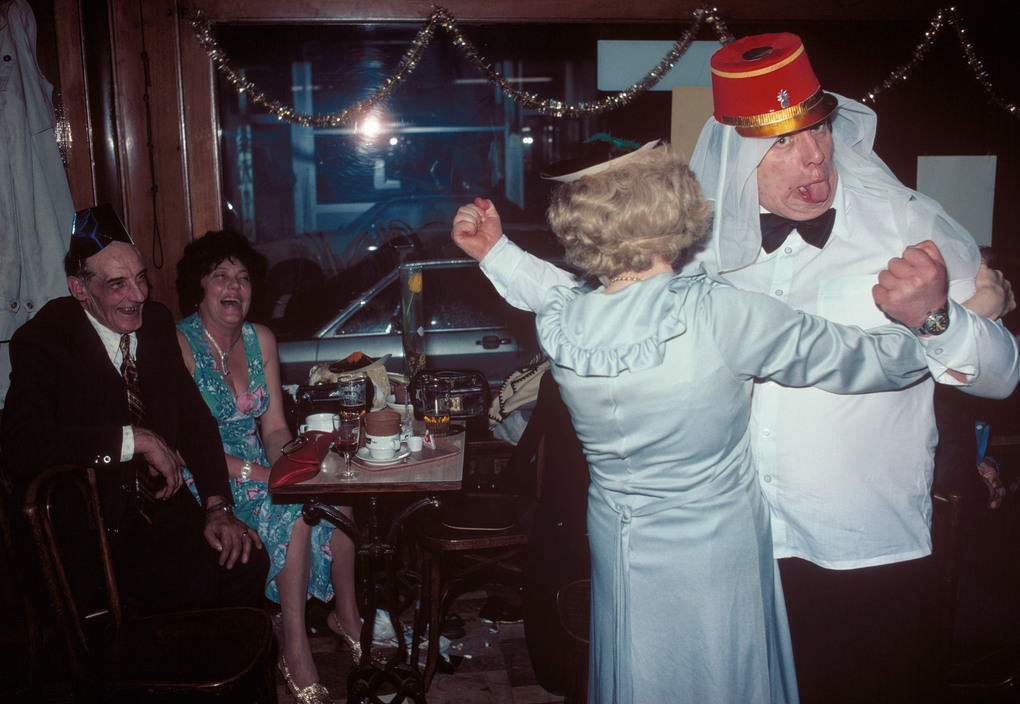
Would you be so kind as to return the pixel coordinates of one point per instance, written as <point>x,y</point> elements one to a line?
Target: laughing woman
<point>236,366</point>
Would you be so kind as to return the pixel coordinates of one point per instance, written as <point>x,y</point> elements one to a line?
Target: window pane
<point>379,315</point>
<point>460,298</point>
<point>320,203</point>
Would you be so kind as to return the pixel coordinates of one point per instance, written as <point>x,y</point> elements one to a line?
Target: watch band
<point>936,322</point>
<point>246,470</point>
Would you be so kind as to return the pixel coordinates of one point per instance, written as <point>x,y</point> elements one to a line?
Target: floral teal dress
<point>240,433</point>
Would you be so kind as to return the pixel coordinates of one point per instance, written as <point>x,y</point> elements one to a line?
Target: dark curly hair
<point>204,254</point>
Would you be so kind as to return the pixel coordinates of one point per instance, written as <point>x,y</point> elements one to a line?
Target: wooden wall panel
<point>201,134</point>
<point>160,226</point>
<point>76,133</point>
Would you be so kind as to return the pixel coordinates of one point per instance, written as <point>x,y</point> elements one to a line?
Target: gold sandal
<point>355,646</point>
<point>315,693</point>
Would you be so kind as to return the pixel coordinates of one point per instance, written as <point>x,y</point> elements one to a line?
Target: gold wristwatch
<point>246,471</point>
<point>936,322</point>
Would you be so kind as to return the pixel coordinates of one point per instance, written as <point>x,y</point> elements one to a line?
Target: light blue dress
<point>237,418</point>
<point>686,602</point>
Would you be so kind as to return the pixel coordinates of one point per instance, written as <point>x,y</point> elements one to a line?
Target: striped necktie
<point>130,373</point>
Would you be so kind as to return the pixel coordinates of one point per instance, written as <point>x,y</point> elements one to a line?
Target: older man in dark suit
<point>94,382</point>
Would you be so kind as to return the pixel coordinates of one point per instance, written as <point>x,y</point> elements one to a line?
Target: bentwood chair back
<point>221,654</point>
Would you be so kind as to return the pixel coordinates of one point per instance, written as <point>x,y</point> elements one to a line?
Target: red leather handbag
<point>301,458</point>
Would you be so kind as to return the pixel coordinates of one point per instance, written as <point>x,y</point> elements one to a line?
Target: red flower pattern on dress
<point>250,400</point>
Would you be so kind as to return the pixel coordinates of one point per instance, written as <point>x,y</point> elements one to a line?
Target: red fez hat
<point>764,86</point>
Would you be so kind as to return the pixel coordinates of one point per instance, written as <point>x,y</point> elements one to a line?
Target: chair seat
<point>206,650</point>
<point>478,511</point>
<point>573,608</point>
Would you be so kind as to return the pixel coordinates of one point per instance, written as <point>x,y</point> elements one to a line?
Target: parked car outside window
<point>466,325</point>
<point>308,276</point>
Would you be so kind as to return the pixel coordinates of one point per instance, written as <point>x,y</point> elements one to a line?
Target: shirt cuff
<point>127,444</point>
<point>954,349</point>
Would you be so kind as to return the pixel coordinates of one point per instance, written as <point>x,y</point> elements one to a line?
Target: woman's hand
<point>994,295</point>
<point>476,228</point>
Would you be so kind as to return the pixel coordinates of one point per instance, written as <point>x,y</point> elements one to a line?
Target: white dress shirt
<point>111,341</point>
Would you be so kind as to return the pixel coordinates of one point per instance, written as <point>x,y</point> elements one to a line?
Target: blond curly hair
<point>616,220</point>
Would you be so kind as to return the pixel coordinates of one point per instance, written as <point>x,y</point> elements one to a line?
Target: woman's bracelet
<point>220,507</point>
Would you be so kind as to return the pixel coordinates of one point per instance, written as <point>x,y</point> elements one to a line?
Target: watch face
<point>936,323</point>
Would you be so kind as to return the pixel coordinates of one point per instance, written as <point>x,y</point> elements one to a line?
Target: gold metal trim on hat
<point>761,71</point>
<point>769,118</point>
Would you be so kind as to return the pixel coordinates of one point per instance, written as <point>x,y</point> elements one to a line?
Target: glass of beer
<point>352,393</point>
<point>437,407</point>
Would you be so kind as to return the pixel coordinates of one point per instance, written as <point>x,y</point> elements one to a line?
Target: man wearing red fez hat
<point>807,213</point>
<point>97,380</point>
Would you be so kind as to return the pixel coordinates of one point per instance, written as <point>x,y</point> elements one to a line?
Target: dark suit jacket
<point>67,402</point>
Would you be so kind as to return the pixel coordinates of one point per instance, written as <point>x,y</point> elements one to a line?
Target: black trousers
<point>865,635</point>
<point>167,565</point>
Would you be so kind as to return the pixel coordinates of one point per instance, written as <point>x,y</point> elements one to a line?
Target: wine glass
<point>348,433</point>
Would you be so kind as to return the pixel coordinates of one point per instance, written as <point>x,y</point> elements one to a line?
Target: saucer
<point>365,456</point>
<point>400,407</point>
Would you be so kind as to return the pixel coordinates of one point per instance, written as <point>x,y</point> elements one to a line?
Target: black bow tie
<point>776,228</point>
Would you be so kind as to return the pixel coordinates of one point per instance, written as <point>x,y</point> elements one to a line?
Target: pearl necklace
<point>224,356</point>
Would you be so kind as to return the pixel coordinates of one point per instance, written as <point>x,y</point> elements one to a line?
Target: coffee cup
<point>382,433</point>
<point>382,423</point>
<point>382,446</point>
<point>325,422</point>
<point>415,443</point>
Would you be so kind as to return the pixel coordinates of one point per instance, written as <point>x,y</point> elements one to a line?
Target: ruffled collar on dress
<point>604,335</point>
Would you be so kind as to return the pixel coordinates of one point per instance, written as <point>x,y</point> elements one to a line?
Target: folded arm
<point>977,354</point>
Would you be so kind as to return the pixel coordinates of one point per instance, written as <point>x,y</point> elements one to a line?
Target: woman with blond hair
<point>657,371</point>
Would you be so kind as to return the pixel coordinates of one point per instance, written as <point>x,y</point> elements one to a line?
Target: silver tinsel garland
<point>441,18</point>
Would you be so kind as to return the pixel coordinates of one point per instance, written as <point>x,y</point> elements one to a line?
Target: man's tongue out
<point>817,192</point>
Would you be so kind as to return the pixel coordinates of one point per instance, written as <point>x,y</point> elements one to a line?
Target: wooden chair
<point>15,590</point>
<point>558,554</point>
<point>223,654</point>
<point>983,674</point>
<point>482,526</point>
<point>573,611</point>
